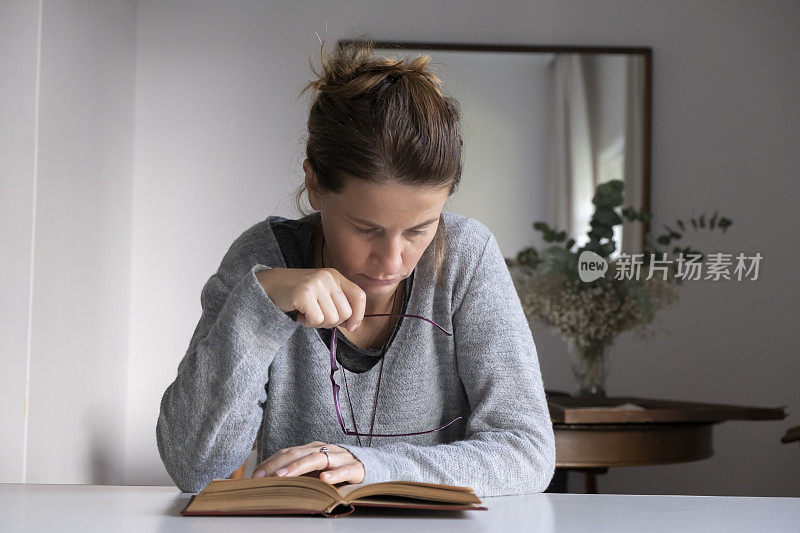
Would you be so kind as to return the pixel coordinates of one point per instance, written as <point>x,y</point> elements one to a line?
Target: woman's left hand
<point>307,460</point>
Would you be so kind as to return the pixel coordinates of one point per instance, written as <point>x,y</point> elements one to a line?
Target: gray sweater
<point>251,373</point>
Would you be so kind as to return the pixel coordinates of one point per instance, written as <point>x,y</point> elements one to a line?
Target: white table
<point>89,508</point>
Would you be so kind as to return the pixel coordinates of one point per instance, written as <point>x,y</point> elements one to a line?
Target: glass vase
<point>589,363</point>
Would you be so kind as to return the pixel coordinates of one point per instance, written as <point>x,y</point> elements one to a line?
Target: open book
<point>311,495</point>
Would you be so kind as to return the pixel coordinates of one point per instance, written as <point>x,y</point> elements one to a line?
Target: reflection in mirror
<point>541,129</point>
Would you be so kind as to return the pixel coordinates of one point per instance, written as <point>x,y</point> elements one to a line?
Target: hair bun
<point>351,71</point>
<point>392,77</point>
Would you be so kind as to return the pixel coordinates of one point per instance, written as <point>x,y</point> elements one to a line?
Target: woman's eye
<point>367,231</point>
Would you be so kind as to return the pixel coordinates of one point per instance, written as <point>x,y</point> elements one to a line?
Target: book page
<point>410,489</point>
<point>411,503</point>
<point>265,494</point>
<point>345,490</point>
<point>226,485</point>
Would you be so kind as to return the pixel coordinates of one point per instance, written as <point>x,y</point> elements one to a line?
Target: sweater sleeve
<point>210,414</point>
<point>509,446</point>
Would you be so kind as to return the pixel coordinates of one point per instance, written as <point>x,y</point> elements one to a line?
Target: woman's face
<point>376,233</point>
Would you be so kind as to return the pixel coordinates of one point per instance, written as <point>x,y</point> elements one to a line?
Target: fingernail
<point>282,471</point>
<point>259,473</point>
<point>356,326</point>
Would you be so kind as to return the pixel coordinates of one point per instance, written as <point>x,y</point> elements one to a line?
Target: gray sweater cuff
<point>376,468</point>
<point>270,314</point>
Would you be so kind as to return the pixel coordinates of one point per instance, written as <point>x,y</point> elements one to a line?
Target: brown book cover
<point>310,495</point>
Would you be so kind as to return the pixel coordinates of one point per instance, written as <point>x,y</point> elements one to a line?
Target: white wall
<point>67,186</point>
<point>218,145</point>
<point>19,39</point>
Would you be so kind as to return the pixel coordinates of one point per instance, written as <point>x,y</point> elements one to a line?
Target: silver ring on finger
<point>324,450</point>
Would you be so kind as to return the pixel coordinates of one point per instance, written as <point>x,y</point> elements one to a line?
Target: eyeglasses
<point>334,368</point>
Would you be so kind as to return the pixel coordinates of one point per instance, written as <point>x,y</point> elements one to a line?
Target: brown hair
<point>382,119</point>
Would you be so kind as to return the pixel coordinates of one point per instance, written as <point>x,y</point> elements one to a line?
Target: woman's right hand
<point>322,297</point>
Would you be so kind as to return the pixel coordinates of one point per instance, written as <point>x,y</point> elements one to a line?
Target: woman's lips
<point>381,281</point>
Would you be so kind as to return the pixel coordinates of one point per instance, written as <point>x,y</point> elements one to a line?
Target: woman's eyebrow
<point>368,223</point>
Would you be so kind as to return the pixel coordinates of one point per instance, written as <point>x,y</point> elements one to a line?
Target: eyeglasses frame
<point>336,388</point>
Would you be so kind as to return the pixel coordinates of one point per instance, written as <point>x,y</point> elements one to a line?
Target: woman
<point>445,379</point>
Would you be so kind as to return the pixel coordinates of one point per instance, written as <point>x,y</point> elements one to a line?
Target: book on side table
<point>311,495</point>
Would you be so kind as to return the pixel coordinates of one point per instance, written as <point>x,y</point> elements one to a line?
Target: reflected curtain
<point>574,172</point>
<point>634,149</point>
<point>574,176</point>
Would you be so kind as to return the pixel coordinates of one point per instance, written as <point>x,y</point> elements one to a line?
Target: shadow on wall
<point>105,455</point>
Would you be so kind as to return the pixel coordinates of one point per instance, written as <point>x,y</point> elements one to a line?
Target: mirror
<point>542,126</point>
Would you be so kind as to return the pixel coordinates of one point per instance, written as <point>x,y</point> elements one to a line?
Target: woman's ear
<point>312,185</point>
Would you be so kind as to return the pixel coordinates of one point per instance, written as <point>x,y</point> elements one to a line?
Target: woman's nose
<point>390,257</point>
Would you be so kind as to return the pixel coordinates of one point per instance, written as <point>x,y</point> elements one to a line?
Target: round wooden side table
<point>594,434</point>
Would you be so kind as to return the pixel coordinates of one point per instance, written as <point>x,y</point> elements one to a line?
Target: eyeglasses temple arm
<point>415,316</point>
<point>348,432</point>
